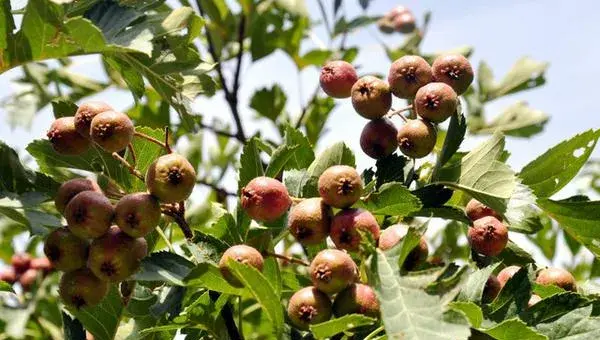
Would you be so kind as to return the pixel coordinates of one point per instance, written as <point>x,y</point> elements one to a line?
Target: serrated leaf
<point>303,155</point>
<point>62,107</point>
<point>577,324</point>
<point>392,199</point>
<point>525,74</point>
<point>472,290</point>
<point>279,159</point>
<point>552,307</point>
<point>18,179</point>
<point>164,266</point>
<point>518,120</point>
<point>208,276</point>
<point>470,310</point>
<point>513,297</point>
<point>515,255</point>
<point>269,102</point>
<point>551,171</point>
<point>250,163</point>
<point>103,319</point>
<point>345,323</point>
<point>456,133</point>
<point>513,329</point>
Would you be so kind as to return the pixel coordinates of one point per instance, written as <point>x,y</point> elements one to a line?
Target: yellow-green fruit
<point>416,138</point>
<point>65,251</point>
<point>340,186</point>
<point>81,289</point>
<point>137,214</point>
<point>242,254</point>
<point>171,178</point>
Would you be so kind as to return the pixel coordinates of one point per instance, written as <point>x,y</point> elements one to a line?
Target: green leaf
<point>5,287</point>
<point>164,266</point>
<point>579,219</point>
<point>470,310</point>
<point>314,57</point>
<point>552,307</point>
<point>343,26</point>
<point>73,330</point>
<point>518,120</point>
<point>303,154</point>
<point>456,133</point>
<point>472,290</point>
<point>269,102</point>
<point>262,290</point>
<point>513,297</point>
<point>16,178</point>
<point>392,199</point>
<point>103,319</point>
<point>250,163</point>
<point>577,324</point>
<point>208,276</point>
<point>335,326</point>
<point>408,312</point>
<point>551,171</point>
<point>279,159</point>
<point>525,74</point>
<point>513,329</point>
<point>221,227</point>
<point>515,255</point>
<point>388,169</point>
<point>445,212</point>
<point>62,107</point>
<point>316,117</point>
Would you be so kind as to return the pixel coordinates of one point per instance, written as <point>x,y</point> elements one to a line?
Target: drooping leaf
<point>525,74</point>
<point>335,326</point>
<point>456,133</point>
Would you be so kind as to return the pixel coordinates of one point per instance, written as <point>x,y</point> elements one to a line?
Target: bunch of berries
<point>25,270</point>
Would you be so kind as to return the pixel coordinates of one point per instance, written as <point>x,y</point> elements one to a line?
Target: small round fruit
<point>243,254</point>
<point>488,236</point>
<point>558,277</point>
<point>340,186</point>
<point>309,221</point>
<point>371,97</point>
<point>89,214</point>
<point>416,138</point>
<point>378,138</point>
<point>85,113</point>
<point>356,299</point>
<point>491,289</point>
<point>405,23</point>
<point>116,256</point>
<point>8,275</point>
<point>137,214</point>
<point>436,102</point>
<point>41,263</point>
<point>337,78</point>
<point>171,178</point>
<point>385,25</point>
<point>72,187</point>
<point>28,278</point>
<point>408,74</point>
<point>265,199</point>
<point>332,270</point>
<point>112,131</point>
<point>476,210</point>
<point>533,300</point>
<point>454,70</point>
<point>65,139</point>
<point>81,288</point>
<point>308,306</point>
<point>21,262</point>
<point>345,225</point>
<point>393,235</point>
<point>507,273</point>
<point>65,251</point>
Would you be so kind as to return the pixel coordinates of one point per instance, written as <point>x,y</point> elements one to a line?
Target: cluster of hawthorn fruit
<point>103,242</point>
<point>25,270</point>
<point>432,89</point>
<point>399,19</point>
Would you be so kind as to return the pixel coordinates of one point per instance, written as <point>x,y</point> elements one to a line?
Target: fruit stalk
<point>131,168</point>
<point>398,113</point>
<point>153,140</point>
<point>178,214</point>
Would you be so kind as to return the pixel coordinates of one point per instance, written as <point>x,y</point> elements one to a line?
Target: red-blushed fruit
<point>378,138</point>
<point>28,278</point>
<point>393,234</point>
<point>332,270</point>
<point>507,273</point>
<point>476,210</point>
<point>115,256</point>
<point>137,214</point>
<point>405,23</point>
<point>21,262</point>
<point>454,70</point>
<point>408,74</point>
<point>81,288</point>
<point>308,306</point>
<point>112,131</point>
<point>42,264</point>
<point>491,289</point>
<point>85,113</point>
<point>65,139</point>
<point>356,299</point>
<point>242,254</point>
<point>171,178</point>
<point>436,102</point>
<point>345,228</point>
<point>533,300</point>
<point>72,187</point>
<point>488,236</point>
<point>371,97</point>
<point>340,186</point>
<point>337,78</point>
<point>557,277</point>
<point>265,199</point>
<point>416,138</point>
<point>8,275</point>
<point>89,214</point>
<point>65,251</point>
<point>309,221</point>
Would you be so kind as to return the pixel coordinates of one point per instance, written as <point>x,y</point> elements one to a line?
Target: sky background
<point>562,33</point>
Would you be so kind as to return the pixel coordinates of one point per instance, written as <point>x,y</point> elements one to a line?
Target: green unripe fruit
<point>171,178</point>
<point>476,210</point>
<point>242,254</point>
<point>436,102</point>
<point>332,270</point>
<point>137,214</point>
<point>454,70</point>
<point>89,214</point>
<point>116,256</point>
<point>265,199</point>
<point>308,306</point>
<point>356,299</point>
<point>112,131</point>
<point>488,236</point>
<point>71,188</point>
<point>416,138</point>
<point>309,221</point>
<point>371,97</point>
<point>408,74</point>
<point>340,186</point>
<point>558,277</point>
<point>393,235</point>
<point>345,228</point>
<point>65,139</point>
<point>65,251</point>
<point>81,288</point>
<point>337,78</point>
<point>85,113</point>
<point>378,138</point>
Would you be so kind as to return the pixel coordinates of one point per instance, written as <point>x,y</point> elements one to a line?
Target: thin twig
<point>132,170</point>
<point>287,258</point>
<point>399,112</point>
<point>150,139</point>
<point>305,108</point>
<point>177,212</point>
<point>215,187</point>
<point>238,67</point>
<point>162,235</point>
<point>216,131</point>
<point>325,18</point>
<point>167,146</point>
<point>133,157</point>
<point>374,333</point>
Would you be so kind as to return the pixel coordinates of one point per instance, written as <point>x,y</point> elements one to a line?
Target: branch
<point>238,68</point>
<point>216,188</point>
<point>177,212</point>
<point>305,108</point>
<point>286,258</point>
<point>151,139</point>
<point>227,315</point>
<point>131,168</point>
<point>217,131</point>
